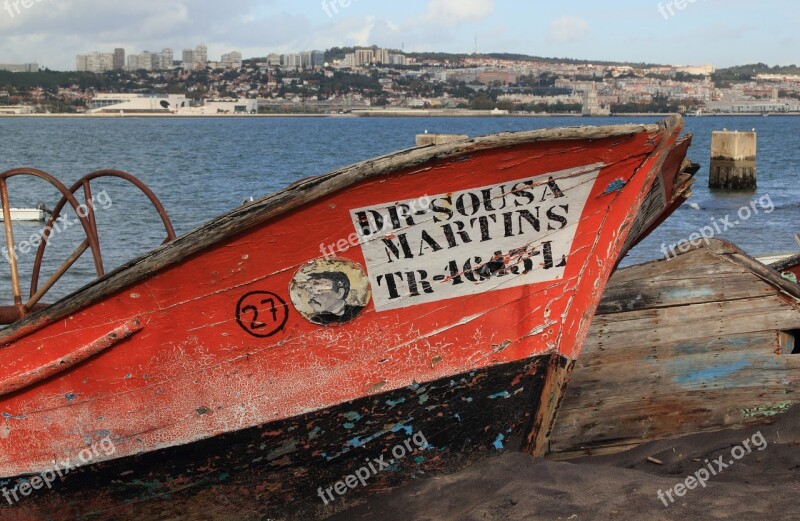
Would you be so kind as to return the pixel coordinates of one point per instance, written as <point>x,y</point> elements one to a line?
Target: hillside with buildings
<point>343,80</point>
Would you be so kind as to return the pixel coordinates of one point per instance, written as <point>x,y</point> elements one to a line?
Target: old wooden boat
<point>702,342</point>
<point>790,267</point>
<point>669,191</point>
<point>398,317</point>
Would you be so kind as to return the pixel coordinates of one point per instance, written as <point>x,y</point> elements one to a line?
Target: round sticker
<point>330,292</point>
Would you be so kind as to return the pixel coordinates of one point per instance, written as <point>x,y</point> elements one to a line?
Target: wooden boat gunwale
<point>736,255</point>
<point>296,195</point>
<point>768,273</point>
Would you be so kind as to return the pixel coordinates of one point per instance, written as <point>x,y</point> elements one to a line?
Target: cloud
<point>52,32</point>
<point>452,13</point>
<point>567,29</point>
<point>439,26</point>
<point>346,31</point>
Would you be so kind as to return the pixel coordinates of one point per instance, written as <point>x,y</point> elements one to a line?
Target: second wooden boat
<point>702,342</point>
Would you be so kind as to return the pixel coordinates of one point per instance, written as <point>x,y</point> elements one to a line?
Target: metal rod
<point>57,275</point>
<point>12,254</point>
<point>87,196</point>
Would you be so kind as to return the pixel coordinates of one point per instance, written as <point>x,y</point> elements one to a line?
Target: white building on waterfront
<point>16,109</point>
<point>109,103</point>
<point>591,103</point>
<point>754,106</point>
<point>221,106</point>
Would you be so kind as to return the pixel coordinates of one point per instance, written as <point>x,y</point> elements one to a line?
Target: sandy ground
<point>760,484</point>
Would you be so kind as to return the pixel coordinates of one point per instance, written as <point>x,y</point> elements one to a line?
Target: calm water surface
<point>201,168</point>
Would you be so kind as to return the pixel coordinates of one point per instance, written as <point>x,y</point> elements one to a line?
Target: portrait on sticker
<point>330,292</point>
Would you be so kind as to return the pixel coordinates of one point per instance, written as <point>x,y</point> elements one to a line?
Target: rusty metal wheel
<point>86,216</point>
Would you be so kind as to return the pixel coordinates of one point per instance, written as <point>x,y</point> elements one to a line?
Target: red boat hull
<point>209,377</point>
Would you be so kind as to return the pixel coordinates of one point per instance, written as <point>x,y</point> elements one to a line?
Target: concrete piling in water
<point>733,160</point>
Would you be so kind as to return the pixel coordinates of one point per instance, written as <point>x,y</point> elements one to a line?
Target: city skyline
<point>53,32</point>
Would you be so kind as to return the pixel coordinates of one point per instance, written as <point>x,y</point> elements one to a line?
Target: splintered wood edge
<point>735,254</point>
<point>298,194</point>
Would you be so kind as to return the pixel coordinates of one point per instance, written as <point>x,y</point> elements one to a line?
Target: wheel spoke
<point>58,274</point>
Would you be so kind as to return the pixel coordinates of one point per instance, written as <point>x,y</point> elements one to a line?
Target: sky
<point>677,32</point>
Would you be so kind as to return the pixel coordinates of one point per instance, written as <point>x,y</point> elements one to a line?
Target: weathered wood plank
<point>643,294</point>
<point>602,359</point>
<point>659,419</point>
<point>688,345</point>
<point>686,322</point>
<point>698,264</point>
<point>723,371</point>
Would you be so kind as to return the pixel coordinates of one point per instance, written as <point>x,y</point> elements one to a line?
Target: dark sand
<point>512,486</point>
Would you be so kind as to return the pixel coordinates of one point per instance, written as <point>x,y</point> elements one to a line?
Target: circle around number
<point>248,311</point>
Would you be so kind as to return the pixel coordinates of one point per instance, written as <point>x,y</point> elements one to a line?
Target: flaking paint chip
<point>378,386</point>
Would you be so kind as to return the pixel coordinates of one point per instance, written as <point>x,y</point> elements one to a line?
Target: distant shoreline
<point>384,114</point>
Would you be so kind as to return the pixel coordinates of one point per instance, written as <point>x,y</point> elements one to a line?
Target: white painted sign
<point>473,241</point>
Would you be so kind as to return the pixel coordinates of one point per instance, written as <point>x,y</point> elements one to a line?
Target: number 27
<point>255,324</point>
